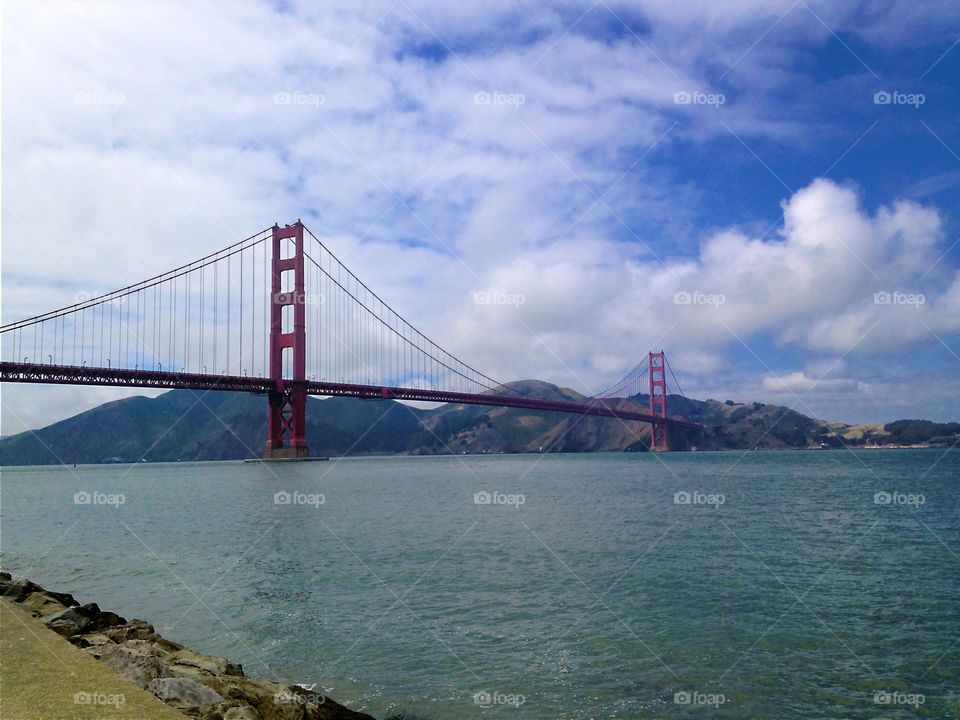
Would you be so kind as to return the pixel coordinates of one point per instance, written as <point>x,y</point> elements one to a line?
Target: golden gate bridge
<point>277,313</point>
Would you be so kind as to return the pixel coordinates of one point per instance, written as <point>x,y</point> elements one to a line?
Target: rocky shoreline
<point>200,686</point>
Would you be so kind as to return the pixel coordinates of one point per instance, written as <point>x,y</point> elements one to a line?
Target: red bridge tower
<point>286,419</point>
<point>659,431</point>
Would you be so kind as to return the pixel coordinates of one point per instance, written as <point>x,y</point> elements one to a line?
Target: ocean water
<point>731,585</point>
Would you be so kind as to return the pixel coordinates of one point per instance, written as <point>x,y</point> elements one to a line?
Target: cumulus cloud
<point>837,279</point>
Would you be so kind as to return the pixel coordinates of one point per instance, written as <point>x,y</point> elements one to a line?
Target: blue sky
<point>445,150</point>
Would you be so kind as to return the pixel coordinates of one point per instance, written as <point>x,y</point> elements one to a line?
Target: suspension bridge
<point>278,314</point>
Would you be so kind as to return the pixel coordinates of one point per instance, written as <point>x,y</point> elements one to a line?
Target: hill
<point>187,425</point>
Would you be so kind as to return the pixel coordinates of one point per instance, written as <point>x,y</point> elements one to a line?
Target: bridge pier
<point>287,402</point>
<point>286,424</point>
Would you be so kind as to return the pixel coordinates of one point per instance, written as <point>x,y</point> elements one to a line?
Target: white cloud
<point>430,197</point>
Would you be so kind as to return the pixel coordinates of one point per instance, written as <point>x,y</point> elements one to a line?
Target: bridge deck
<point>121,377</point>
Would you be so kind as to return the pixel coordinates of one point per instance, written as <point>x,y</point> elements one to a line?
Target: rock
<point>93,640</point>
<point>275,701</point>
<point>194,683</point>
<point>193,663</point>
<point>82,618</point>
<point>132,630</point>
<point>40,604</point>
<point>242,712</point>
<point>135,660</point>
<point>167,645</point>
<point>184,694</point>
<point>20,590</point>
<point>72,621</point>
<point>105,619</point>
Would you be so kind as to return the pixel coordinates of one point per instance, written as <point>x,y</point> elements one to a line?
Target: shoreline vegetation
<point>200,686</point>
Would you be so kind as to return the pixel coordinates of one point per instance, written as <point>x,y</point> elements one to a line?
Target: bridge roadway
<point>123,377</point>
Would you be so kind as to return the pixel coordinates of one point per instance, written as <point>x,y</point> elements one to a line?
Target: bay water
<point>799,584</point>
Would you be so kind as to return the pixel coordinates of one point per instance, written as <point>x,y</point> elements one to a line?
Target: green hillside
<point>187,425</point>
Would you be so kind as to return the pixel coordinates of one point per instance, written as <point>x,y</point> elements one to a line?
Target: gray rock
<point>20,590</point>
<point>244,712</point>
<point>82,618</point>
<point>72,621</point>
<point>136,661</point>
<point>133,630</point>
<point>41,604</point>
<point>183,693</point>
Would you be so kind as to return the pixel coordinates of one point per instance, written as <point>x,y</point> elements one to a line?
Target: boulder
<point>135,660</point>
<point>20,590</point>
<point>242,712</point>
<point>132,630</point>
<point>82,618</point>
<point>275,701</point>
<point>184,694</point>
<point>71,621</point>
<point>193,663</point>
<point>17,590</point>
<point>92,643</point>
<point>40,604</point>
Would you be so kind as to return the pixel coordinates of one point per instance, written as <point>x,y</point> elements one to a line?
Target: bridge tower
<point>659,432</point>
<point>286,419</point>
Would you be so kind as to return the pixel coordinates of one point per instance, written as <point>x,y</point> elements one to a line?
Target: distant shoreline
<point>404,456</point>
